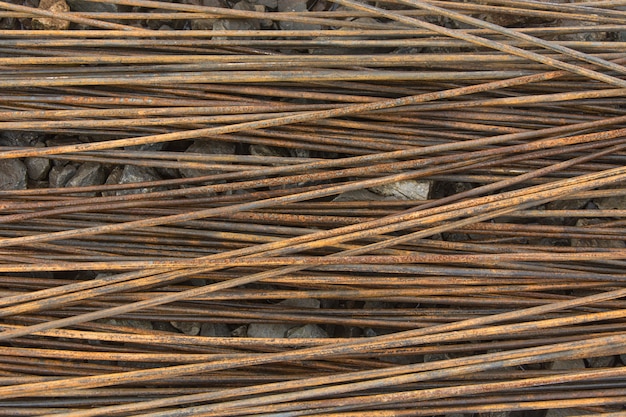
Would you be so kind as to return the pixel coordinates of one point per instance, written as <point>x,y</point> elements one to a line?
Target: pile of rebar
<point>290,208</point>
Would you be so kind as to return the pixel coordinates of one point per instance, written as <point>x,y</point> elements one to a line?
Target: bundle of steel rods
<point>330,207</point>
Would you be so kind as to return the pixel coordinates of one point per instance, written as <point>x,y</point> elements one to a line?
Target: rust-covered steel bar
<point>332,208</point>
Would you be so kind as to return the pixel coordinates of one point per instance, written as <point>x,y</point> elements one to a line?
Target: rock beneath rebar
<point>88,6</point>
<point>495,414</point>
<point>274,330</point>
<point>265,150</point>
<point>88,174</point>
<point>369,332</point>
<point>404,190</point>
<point>565,412</point>
<point>133,174</point>
<point>60,174</point>
<point>567,364</point>
<point>301,303</point>
<point>575,204</point>
<point>306,331</point>
<point>299,153</point>
<point>359,195</point>
<point>18,138</point>
<point>37,168</point>
<point>506,20</point>
<point>204,24</point>
<point>340,50</point>
<point>270,330</point>
<point>114,178</point>
<point>207,147</point>
<point>52,23</point>
<point>214,330</point>
<point>238,24</point>
<point>617,202</point>
<point>241,331</point>
<point>596,243</point>
<point>435,357</point>
<point>188,327</point>
<point>13,175</point>
<point>581,35</point>
<point>601,362</point>
<point>440,189</point>
<point>570,204</point>
<point>298,6</point>
<point>136,324</point>
<point>270,4</point>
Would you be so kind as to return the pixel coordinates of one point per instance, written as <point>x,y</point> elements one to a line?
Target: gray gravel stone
<point>404,190</point>
<point>12,174</point>
<point>136,324</point>
<point>276,330</point>
<point>87,6</point>
<point>294,6</point>
<point>369,332</point>
<point>270,330</point>
<point>204,24</point>
<point>88,174</point>
<point>567,364</point>
<point>147,147</point>
<point>496,414</point>
<point>214,330</point>
<point>264,150</point>
<point>164,326</point>
<point>60,175</point>
<point>567,204</point>
<point>37,168</point>
<point>188,327</point>
<point>207,147</point>
<point>16,138</point>
<point>306,331</point>
<point>402,360</point>
<point>601,362</point>
<point>114,178</point>
<point>238,24</point>
<point>434,357</point>
<point>131,174</point>
<point>338,50</point>
<point>301,302</point>
<point>595,243</point>
<point>359,195</point>
<point>270,4</point>
<point>581,36</point>
<point>502,19</point>
<point>565,412</point>
<point>375,305</point>
<point>299,153</point>
<point>54,6</point>
<point>611,203</point>
<point>241,331</point>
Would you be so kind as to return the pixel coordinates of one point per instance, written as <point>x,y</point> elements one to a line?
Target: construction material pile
<point>292,208</point>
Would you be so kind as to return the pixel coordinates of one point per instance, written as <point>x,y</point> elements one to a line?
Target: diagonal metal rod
<point>459,34</point>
